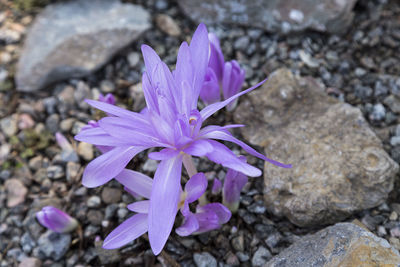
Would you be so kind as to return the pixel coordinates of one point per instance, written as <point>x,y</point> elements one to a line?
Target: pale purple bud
<point>210,92</point>
<point>233,184</point>
<point>232,81</point>
<point>216,188</point>
<point>63,142</point>
<point>56,220</point>
<point>216,61</point>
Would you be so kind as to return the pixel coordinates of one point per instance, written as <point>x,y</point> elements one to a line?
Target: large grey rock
<point>344,244</point>
<point>74,38</point>
<point>339,165</point>
<point>332,16</point>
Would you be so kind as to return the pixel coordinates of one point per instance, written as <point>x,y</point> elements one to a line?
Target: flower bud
<point>56,220</point>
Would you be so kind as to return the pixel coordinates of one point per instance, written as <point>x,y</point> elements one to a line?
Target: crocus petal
<point>190,226</point>
<point>117,111</point>
<point>97,136</point>
<point>164,200</point>
<point>199,50</point>
<point>63,142</point>
<point>149,94</point>
<point>211,109</point>
<point>184,78</point>
<point>224,215</point>
<point>233,184</point>
<point>136,182</point>
<point>195,187</point>
<point>216,61</point>
<point>212,128</point>
<point>208,220</point>
<point>199,148</point>
<point>151,59</point>
<point>217,185</point>
<point>223,135</point>
<point>210,92</point>
<point>164,154</point>
<point>105,167</point>
<point>224,156</point>
<point>126,232</point>
<point>124,130</point>
<point>140,206</point>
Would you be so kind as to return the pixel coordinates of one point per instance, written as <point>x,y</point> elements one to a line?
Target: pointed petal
<point>190,226</point>
<point>164,200</point>
<point>126,232</point>
<point>226,136</point>
<point>211,109</point>
<point>149,93</point>
<point>128,132</point>
<point>199,50</point>
<point>212,128</point>
<point>140,206</point>
<point>136,182</point>
<point>105,167</point>
<point>97,136</point>
<point>199,148</point>
<point>195,187</point>
<point>117,111</point>
<point>151,59</point>
<point>184,78</point>
<point>224,156</point>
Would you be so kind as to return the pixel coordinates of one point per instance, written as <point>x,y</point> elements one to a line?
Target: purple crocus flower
<point>172,122</point>
<point>56,220</point>
<point>223,76</point>
<point>233,184</point>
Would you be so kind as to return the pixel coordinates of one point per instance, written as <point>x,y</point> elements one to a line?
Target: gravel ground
<point>361,68</point>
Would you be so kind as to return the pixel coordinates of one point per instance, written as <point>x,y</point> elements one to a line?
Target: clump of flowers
<point>172,123</point>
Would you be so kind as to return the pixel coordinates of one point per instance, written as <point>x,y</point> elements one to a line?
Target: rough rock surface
<point>339,165</point>
<point>74,38</point>
<point>277,15</point>
<point>344,244</point>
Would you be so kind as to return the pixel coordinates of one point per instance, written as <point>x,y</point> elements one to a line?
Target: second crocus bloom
<point>221,77</point>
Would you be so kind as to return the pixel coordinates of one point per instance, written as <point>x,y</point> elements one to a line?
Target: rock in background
<point>339,165</point>
<point>344,244</point>
<point>74,38</point>
<point>331,16</point>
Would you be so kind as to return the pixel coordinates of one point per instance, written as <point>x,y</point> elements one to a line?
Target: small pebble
<point>93,202</point>
<point>261,256</point>
<point>393,216</point>
<point>85,150</point>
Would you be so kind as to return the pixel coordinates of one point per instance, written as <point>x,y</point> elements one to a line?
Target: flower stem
<point>189,165</point>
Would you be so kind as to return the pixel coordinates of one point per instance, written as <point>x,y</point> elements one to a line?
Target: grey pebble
<point>204,259</point>
<point>53,245</point>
